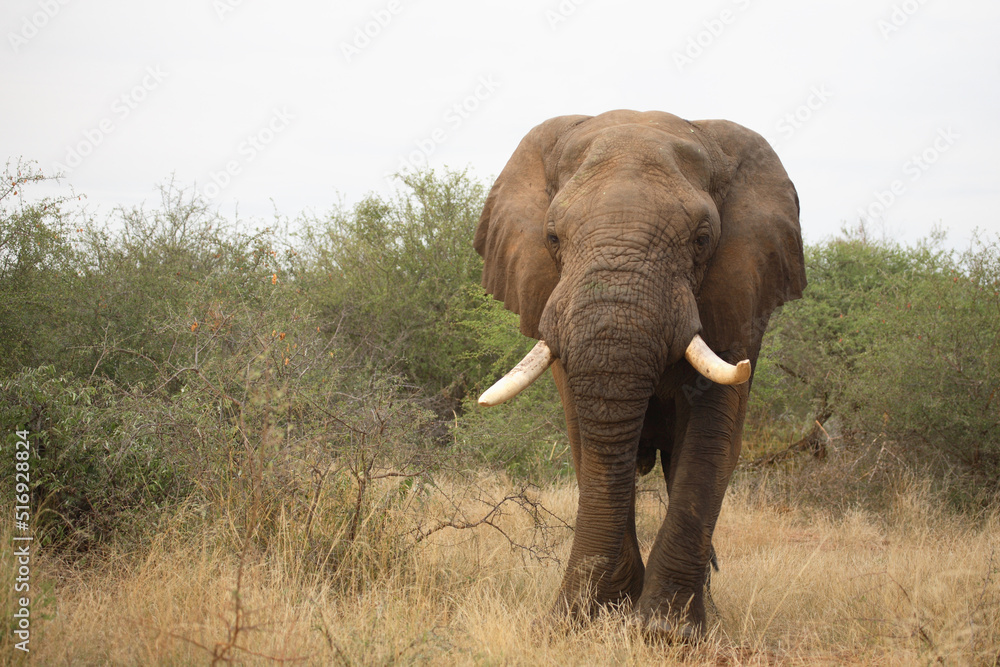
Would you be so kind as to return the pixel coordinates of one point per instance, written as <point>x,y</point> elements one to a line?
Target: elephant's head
<point>626,242</point>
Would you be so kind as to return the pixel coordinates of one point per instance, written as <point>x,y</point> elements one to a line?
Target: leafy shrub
<point>186,362</point>
<point>100,465</point>
<point>37,273</point>
<point>896,345</point>
<point>526,435</point>
<point>394,275</point>
<point>929,376</point>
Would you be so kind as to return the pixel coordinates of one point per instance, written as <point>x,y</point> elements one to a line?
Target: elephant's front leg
<point>701,465</point>
<point>605,566</point>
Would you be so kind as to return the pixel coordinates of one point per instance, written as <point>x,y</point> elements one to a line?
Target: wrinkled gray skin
<point>617,238</point>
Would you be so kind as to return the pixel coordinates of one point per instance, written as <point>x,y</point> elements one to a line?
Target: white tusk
<point>706,362</point>
<point>517,380</point>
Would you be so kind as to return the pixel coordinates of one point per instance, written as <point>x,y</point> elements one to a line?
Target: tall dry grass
<point>920,586</point>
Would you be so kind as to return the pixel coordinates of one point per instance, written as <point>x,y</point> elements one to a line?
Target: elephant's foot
<point>580,601</point>
<point>679,619</point>
<point>672,604</point>
<point>658,628</point>
<point>578,609</point>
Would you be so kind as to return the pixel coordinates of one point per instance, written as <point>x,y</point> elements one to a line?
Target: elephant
<point>646,254</point>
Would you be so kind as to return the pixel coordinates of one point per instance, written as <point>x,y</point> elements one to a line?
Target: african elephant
<point>633,245</point>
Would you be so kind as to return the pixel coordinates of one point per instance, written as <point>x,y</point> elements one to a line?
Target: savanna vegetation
<point>257,442</point>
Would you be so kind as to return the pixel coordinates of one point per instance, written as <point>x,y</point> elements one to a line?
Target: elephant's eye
<point>702,241</point>
<point>553,240</point>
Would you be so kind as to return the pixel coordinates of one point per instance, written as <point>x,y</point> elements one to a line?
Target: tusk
<point>706,362</point>
<point>522,375</point>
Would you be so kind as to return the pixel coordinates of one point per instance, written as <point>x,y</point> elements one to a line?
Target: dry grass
<point>917,587</point>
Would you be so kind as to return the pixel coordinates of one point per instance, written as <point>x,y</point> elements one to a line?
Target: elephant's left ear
<point>759,263</point>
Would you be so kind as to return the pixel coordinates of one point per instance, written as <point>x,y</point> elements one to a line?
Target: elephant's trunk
<point>613,351</point>
<point>604,563</point>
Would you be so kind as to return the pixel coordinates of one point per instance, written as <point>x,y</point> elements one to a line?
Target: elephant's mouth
<point>698,354</point>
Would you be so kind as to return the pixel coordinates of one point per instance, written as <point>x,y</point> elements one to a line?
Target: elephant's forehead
<point>645,178</point>
<point>646,152</point>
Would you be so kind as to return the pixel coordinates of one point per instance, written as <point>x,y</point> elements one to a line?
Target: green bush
<point>526,435</point>
<point>37,274</point>
<point>101,465</point>
<point>394,275</point>
<point>166,355</point>
<point>896,345</point>
<point>929,377</point>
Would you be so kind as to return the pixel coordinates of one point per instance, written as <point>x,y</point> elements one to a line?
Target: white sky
<point>147,90</point>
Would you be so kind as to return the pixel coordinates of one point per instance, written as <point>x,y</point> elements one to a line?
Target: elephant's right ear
<point>518,268</point>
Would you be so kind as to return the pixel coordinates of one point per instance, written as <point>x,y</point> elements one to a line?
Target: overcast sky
<point>882,108</point>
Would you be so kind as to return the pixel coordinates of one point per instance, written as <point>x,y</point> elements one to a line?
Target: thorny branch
<point>544,522</point>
